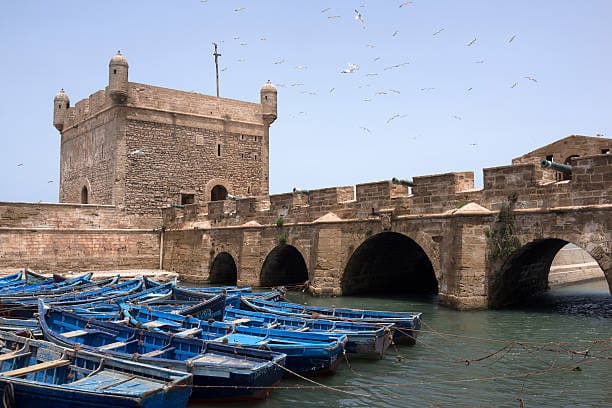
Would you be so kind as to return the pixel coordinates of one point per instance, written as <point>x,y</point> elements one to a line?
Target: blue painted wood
<point>307,353</point>
<point>405,324</point>
<point>220,371</point>
<point>365,340</point>
<point>36,373</point>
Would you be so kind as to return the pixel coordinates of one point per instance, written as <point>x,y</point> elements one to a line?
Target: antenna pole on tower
<point>217,55</point>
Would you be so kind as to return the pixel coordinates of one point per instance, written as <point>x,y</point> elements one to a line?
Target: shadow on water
<point>590,299</point>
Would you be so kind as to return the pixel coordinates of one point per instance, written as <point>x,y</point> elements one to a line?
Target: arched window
<point>84,195</point>
<point>218,193</point>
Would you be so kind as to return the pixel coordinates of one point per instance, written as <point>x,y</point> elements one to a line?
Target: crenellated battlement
<point>432,194</point>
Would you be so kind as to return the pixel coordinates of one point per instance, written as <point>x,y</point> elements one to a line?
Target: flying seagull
<point>438,32</point>
<point>471,42</point>
<point>359,18</point>
<point>531,78</point>
<point>137,153</point>
<point>514,85</point>
<point>350,69</point>
<point>366,129</point>
<point>511,38</point>
<point>405,3</point>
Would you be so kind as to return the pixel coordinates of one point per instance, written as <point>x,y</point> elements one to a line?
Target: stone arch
<point>223,270</point>
<point>389,262</point>
<point>284,265</point>
<point>85,187</point>
<point>221,187</point>
<point>526,272</point>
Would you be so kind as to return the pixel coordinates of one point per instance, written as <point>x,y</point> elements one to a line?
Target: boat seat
<point>272,325</point>
<point>112,346</point>
<point>75,333</point>
<point>36,367</point>
<point>156,353</point>
<point>158,323</point>
<point>188,332</point>
<point>240,321</point>
<point>14,354</point>
<point>302,329</point>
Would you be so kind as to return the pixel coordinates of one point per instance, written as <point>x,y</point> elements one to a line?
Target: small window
<point>114,71</point>
<point>605,151</point>
<point>187,199</point>
<point>84,195</point>
<point>255,157</point>
<point>218,150</point>
<point>549,157</point>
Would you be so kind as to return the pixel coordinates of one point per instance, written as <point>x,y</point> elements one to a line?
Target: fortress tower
<point>142,147</point>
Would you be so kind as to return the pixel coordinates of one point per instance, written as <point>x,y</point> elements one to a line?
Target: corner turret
<point>118,78</point>
<point>268,102</point>
<point>61,103</point>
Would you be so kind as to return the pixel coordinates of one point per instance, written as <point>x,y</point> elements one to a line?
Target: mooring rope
<point>8,396</point>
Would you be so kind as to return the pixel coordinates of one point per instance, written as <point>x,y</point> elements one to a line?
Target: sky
<point>367,90</point>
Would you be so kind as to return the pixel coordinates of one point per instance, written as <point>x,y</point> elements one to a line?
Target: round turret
<point>61,103</point>
<point>268,102</point>
<point>118,78</point>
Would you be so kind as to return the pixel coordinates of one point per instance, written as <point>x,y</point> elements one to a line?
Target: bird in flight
<point>366,129</point>
<point>395,33</point>
<point>137,153</point>
<point>471,42</point>
<point>279,60</point>
<point>359,18</point>
<point>396,116</point>
<point>531,78</point>
<point>438,32</point>
<point>238,10</point>
<point>396,66</point>
<point>325,10</point>
<point>50,181</point>
<point>350,69</point>
<point>457,117</point>
<point>511,38</point>
<point>20,164</point>
<point>406,3</point>
<point>514,85</point>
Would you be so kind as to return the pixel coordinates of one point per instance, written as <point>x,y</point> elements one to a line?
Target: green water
<point>535,353</point>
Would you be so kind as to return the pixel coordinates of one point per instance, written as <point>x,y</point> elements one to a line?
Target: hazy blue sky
<point>422,102</point>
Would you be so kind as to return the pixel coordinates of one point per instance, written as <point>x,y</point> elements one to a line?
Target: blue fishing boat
<point>220,371</point>
<point>36,373</point>
<point>405,328</point>
<point>307,353</point>
<point>28,326</point>
<point>10,279</point>
<point>364,340</point>
<point>50,285</point>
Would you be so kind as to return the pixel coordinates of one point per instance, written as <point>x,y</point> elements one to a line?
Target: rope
<point>319,384</point>
<point>8,396</point>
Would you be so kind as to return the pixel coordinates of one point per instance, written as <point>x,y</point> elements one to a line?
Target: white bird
<point>396,66</point>
<point>531,78</point>
<point>325,9</point>
<point>137,153</point>
<point>405,3</point>
<point>20,164</point>
<point>438,32</point>
<point>396,116</point>
<point>428,89</point>
<point>350,69</point>
<point>514,85</point>
<point>395,33</point>
<point>394,91</point>
<point>279,60</point>
<point>332,90</point>
<point>238,10</point>
<point>366,129</point>
<point>457,117</point>
<point>333,16</point>
<point>359,18</point>
<point>471,42</point>
<point>511,38</point>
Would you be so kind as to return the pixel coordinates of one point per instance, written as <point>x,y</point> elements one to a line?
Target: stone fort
<point>159,178</point>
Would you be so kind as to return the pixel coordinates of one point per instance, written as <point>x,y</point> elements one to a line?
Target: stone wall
<point>63,237</point>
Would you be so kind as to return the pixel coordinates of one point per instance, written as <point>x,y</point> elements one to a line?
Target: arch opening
<point>218,193</point>
<point>284,265</point>
<point>389,263</point>
<point>84,195</point>
<point>223,270</point>
<point>536,268</point>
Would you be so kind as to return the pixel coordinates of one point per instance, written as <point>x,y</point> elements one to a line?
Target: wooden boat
<point>10,279</point>
<point>405,324</point>
<point>25,306</point>
<point>35,373</point>
<point>220,371</point>
<point>307,353</point>
<point>26,326</point>
<point>364,340</point>
<point>45,287</point>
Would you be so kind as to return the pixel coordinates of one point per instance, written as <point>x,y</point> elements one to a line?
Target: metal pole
<point>217,55</point>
